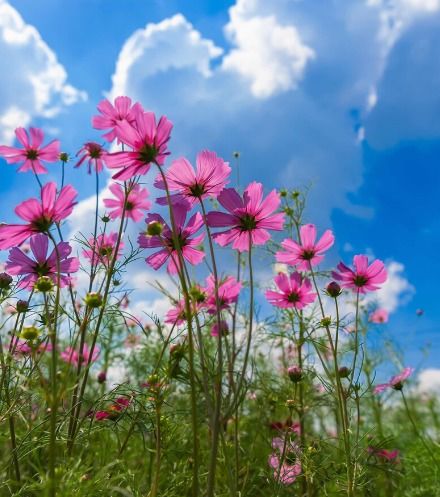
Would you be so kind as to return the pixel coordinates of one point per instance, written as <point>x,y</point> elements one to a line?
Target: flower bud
<point>44,284</point>
<point>333,289</point>
<point>197,294</point>
<point>344,372</point>
<point>290,404</point>
<point>102,377</point>
<point>22,306</point>
<point>93,300</point>
<point>295,373</point>
<point>154,228</point>
<point>30,332</point>
<point>5,281</point>
<point>105,219</point>
<point>326,321</point>
<point>236,154</point>
<point>64,157</point>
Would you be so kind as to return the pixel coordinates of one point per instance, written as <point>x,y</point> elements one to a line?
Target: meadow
<point>217,397</point>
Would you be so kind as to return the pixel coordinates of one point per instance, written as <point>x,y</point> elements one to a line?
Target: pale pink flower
<point>135,202</point>
<point>94,154</point>
<point>379,316</point>
<point>364,278</point>
<point>308,252</point>
<point>166,242</point>
<point>223,327</point>
<point>72,356</point>
<point>177,314</point>
<point>228,292</point>
<point>40,215</point>
<point>249,218</point>
<point>112,115</point>
<point>32,156</point>
<point>295,292</point>
<point>396,382</point>
<point>147,140</point>
<point>285,471</point>
<point>102,249</point>
<point>30,269</point>
<point>208,180</point>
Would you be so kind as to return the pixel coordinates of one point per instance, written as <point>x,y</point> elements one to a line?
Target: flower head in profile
<point>102,249</point>
<point>177,314</point>
<point>41,264</point>
<point>308,252</point>
<point>32,155</point>
<point>228,292</point>
<point>294,292</point>
<point>73,356</point>
<point>249,217</point>
<point>216,329</point>
<point>379,316</point>
<point>148,141</point>
<point>39,214</point>
<point>391,456</point>
<point>396,382</point>
<point>208,180</point>
<point>115,410</point>
<point>364,277</point>
<point>94,155</point>
<point>113,114</point>
<point>135,202</point>
<point>169,246</point>
<point>285,461</point>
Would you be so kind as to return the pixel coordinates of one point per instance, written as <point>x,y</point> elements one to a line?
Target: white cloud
<point>34,83</point>
<point>172,43</point>
<point>270,55</point>
<point>428,381</point>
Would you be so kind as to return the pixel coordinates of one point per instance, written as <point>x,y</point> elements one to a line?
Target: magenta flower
<point>208,180</point>
<point>295,291</point>
<point>166,241</point>
<point>148,142</point>
<point>364,278</point>
<point>249,217</point>
<point>73,356</point>
<point>135,203</point>
<point>19,263</point>
<point>112,115</point>
<point>94,154</point>
<point>387,455</point>
<point>224,328</point>
<point>287,453</point>
<point>228,292</point>
<point>40,215</point>
<point>115,410</point>
<point>102,249</point>
<point>177,314</point>
<point>396,382</point>
<point>379,316</point>
<point>32,156</point>
<point>308,252</point>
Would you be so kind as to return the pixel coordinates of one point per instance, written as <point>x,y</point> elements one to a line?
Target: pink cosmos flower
<point>148,141</point>
<point>396,382</point>
<point>40,215</point>
<point>223,327</point>
<point>228,292</point>
<point>290,469</point>
<point>295,291</point>
<point>32,156</point>
<point>177,314</point>
<point>115,410</point>
<point>94,154</point>
<point>72,356</point>
<point>167,244</point>
<point>249,217</point>
<point>387,455</point>
<point>19,263</point>
<point>208,180</point>
<point>379,316</point>
<point>364,278</point>
<point>103,248</point>
<point>112,115</point>
<point>135,203</point>
<point>308,252</point>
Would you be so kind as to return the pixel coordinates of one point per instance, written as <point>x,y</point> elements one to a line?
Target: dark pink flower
<point>249,218</point>
<point>396,382</point>
<point>177,314</point>
<point>166,241</point>
<point>112,115</point>
<point>364,278</point>
<point>208,180</point>
<point>32,156</point>
<point>94,154</point>
<point>295,291</point>
<point>103,248</point>
<point>228,292</point>
<point>148,142</point>
<point>30,269</point>
<point>40,215</point>
<point>379,316</point>
<point>72,356</point>
<point>308,252</point>
<point>135,203</point>
<point>223,327</point>
<point>387,455</point>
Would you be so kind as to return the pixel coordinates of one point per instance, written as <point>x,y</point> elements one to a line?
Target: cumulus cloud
<point>34,83</point>
<point>428,381</point>
<point>270,55</point>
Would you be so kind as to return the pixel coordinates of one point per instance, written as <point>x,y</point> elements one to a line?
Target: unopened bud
<point>22,306</point>
<point>64,157</point>
<point>30,332</point>
<point>295,373</point>
<point>290,404</point>
<point>102,377</point>
<point>326,321</point>
<point>344,372</point>
<point>333,289</point>
<point>5,281</point>
<point>93,300</point>
<point>154,228</point>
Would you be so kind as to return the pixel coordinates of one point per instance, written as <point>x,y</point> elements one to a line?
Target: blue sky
<point>337,94</point>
